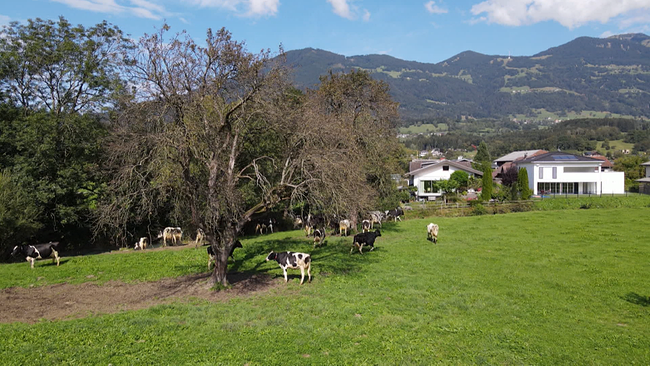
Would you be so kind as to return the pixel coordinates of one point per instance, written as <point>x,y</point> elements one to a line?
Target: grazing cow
<point>260,228</point>
<point>174,234</point>
<point>319,237</point>
<point>395,214</point>
<point>297,222</point>
<point>142,243</point>
<point>376,217</point>
<point>212,257</point>
<point>344,226</point>
<point>38,251</point>
<point>365,238</point>
<point>200,235</point>
<point>308,229</point>
<point>432,232</point>
<point>365,226</point>
<point>292,260</point>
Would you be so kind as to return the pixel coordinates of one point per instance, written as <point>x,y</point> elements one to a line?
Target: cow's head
<point>17,250</point>
<point>272,256</point>
<point>377,233</point>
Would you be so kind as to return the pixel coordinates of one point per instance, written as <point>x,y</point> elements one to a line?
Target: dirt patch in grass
<point>66,301</point>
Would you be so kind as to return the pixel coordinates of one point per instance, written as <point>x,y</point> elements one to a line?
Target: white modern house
<point>425,173</point>
<point>560,173</point>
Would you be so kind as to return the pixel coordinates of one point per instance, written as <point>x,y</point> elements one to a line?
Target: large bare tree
<point>215,134</point>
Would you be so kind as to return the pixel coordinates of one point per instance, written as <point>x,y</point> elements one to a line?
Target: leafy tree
<point>482,160</point>
<point>215,134</point>
<point>18,213</point>
<point>59,68</point>
<point>54,159</point>
<point>461,177</point>
<point>522,184</point>
<point>631,165</point>
<point>510,176</point>
<point>447,186</point>
<point>486,189</point>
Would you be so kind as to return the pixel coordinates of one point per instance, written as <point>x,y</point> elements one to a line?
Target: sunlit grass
<point>550,287</point>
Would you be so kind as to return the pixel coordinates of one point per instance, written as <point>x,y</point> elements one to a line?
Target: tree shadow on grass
<point>330,258</point>
<point>637,299</point>
<point>390,227</point>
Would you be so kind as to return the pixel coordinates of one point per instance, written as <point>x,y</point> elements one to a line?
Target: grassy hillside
<point>553,287</point>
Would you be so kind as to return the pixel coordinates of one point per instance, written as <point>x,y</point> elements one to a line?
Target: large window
<point>557,188</point>
<point>430,186</point>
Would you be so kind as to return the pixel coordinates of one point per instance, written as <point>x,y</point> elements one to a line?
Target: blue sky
<point>424,31</point>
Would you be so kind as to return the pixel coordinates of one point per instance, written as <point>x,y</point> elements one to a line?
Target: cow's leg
<point>352,249</point>
<point>372,247</point>
<point>286,279</point>
<point>56,257</point>
<point>361,248</point>
<point>31,261</point>
<point>309,270</point>
<point>302,274</point>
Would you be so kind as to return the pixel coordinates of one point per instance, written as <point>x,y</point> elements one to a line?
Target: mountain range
<point>584,77</point>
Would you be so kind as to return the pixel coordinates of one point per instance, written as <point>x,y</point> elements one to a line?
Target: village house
<point>424,173</point>
<point>564,173</point>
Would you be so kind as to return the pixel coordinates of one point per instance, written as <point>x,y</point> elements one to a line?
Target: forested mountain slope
<point>610,75</point>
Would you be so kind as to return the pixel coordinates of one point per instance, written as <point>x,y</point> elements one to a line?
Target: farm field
<point>544,287</point>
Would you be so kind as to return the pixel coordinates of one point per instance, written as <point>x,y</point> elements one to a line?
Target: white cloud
<point>341,8</point>
<point>434,9</point>
<point>606,34</point>
<point>247,8</point>
<point>366,15</point>
<point>569,13</point>
<point>639,17</point>
<point>141,8</point>
<point>263,7</point>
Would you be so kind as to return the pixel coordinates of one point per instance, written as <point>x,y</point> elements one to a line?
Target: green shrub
<point>479,210</point>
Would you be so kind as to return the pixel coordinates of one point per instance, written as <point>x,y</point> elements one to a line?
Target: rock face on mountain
<point>587,74</point>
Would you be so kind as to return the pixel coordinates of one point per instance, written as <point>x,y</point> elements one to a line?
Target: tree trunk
<point>219,274</point>
<point>222,245</point>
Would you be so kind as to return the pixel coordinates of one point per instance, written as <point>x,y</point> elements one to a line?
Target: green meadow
<point>543,287</point>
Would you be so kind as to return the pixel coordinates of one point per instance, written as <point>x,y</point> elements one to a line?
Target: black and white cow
<point>212,257</point>
<point>395,214</point>
<point>292,260</point>
<point>319,237</point>
<point>38,251</point>
<point>365,226</point>
<point>362,239</point>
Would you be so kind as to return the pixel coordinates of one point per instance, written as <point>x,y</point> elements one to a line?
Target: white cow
<point>142,243</point>
<point>432,232</point>
<point>175,234</point>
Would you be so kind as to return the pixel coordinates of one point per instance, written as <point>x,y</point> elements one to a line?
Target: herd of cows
<point>312,225</point>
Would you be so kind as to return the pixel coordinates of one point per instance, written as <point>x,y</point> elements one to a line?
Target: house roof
<point>455,164</point>
<point>606,162</point>
<point>419,163</point>
<point>515,155</point>
<point>559,157</point>
<point>643,180</point>
<point>646,163</point>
